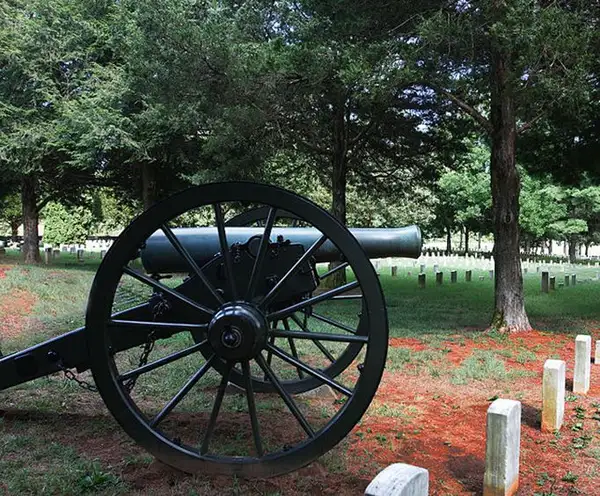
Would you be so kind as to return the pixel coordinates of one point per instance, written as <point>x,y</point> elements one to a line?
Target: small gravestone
<point>537,269</point>
<point>545,282</point>
<point>422,268</point>
<point>400,479</point>
<point>583,358</point>
<point>453,276</point>
<point>73,250</point>
<point>491,272</point>
<point>394,271</point>
<point>573,279</point>
<point>525,270</point>
<point>567,280</point>
<point>436,268</point>
<point>553,395</point>
<point>102,254</point>
<point>597,355</point>
<point>422,280</point>
<point>80,255</point>
<point>47,255</point>
<point>502,448</point>
<point>468,275</point>
<point>439,278</point>
<point>482,278</point>
<point>553,283</point>
<point>409,273</point>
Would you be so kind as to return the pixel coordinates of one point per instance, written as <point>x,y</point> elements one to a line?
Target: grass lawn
<point>441,373</point>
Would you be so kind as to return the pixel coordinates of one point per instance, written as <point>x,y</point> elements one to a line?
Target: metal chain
<point>146,350</point>
<point>69,374</point>
<point>160,307</point>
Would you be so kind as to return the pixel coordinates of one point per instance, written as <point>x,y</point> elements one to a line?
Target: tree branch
<point>527,125</point>
<point>468,109</point>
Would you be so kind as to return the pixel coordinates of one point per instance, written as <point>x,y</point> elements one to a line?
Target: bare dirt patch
<point>14,310</point>
<point>446,433</point>
<point>3,270</point>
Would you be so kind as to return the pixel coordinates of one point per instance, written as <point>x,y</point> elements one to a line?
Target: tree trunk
<point>149,189</point>
<point>478,241</point>
<point>448,241</point>
<point>460,242</point>
<point>31,248</point>
<point>339,180</point>
<point>466,240</point>
<point>14,230</point>
<point>549,247</point>
<point>572,249</point>
<point>509,308</point>
<point>587,249</point>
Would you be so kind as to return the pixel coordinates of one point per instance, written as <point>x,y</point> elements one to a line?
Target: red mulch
<point>14,309</point>
<point>446,435</point>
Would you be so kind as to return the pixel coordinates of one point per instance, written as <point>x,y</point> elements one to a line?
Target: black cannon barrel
<point>159,255</point>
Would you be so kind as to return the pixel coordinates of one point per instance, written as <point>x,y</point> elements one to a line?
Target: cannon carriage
<point>178,315</point>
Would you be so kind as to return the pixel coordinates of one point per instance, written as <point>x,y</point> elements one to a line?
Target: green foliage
<point>63,225</point>
<point>464,193</point>
<point>111,214</point>
<point>10,211</point>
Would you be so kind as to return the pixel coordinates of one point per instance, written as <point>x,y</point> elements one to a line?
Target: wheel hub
<point>237,331</point>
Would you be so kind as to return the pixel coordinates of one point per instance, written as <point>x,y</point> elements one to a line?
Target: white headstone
<point>583,358</point>
<point>400,479</point>
<point>503,441</point>
<point>553,395</point>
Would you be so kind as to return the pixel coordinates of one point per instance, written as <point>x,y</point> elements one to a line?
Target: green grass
<point>32,462</point>
<point>32,465</point>
<point>62,290</point>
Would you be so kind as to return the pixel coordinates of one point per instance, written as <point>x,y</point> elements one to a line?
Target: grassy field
<point>58,439</point>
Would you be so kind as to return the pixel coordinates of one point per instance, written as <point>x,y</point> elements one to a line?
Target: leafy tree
<point>66,225</point>
<point>112,214</point>
<point>10,205</point>
<point>60,109</point>
<point>193,82</point>
<point>463,193</point>
<point>506,64</point>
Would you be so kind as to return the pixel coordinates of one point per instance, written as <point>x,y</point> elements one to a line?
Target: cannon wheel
<point>258,216</point>
<point>169,439</point>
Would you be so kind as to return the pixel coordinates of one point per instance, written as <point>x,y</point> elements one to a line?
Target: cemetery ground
<point>443,371</point>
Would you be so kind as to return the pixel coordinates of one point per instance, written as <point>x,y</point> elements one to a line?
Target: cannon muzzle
<point>159,255</point>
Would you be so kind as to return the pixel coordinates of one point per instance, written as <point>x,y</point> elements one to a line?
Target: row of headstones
<point>549,282</point>
<point>439,276</point>
<point>503,432</point>
<point>51,254</point>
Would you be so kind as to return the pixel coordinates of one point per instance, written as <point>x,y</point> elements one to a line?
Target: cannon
<point>216,316</point>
